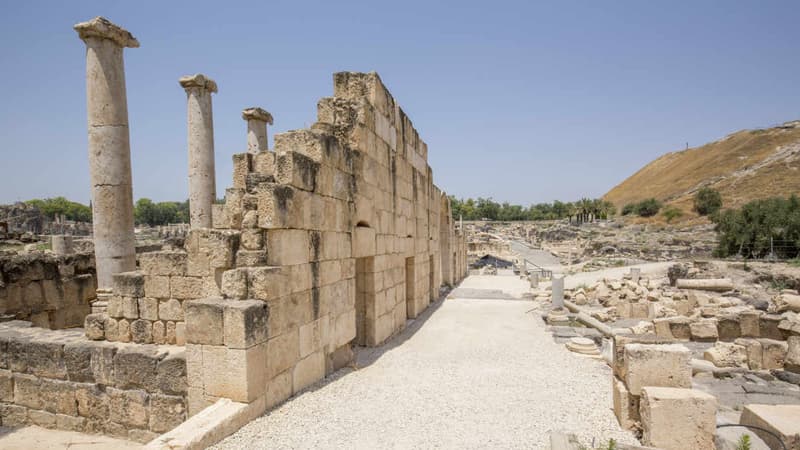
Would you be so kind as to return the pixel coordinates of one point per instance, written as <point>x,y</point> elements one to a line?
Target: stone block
<point>148,308</point>
<point>135,367</point>
<point>128,407</point>
<point>619,343</point>
<point>142,331</point>
<point>729,328</point>
<point>41,357</point>
<point>773,353</point>
<point>726,354</point>
<point>308,371</point>
<point>296,170</point>
<point>252,239</point>
<point>204,321</point>
<point>748,323</point>
<point>288,247</point>
<point>6,386</point>
<point>156,286</point>
<point>267,283</point>
<point>279,389</point>
<point>782,420</point>
<point>704,330</point>
<point>310,338</point>
<point>666,365</point>
<point>344,328</point>
<point>130,307</point>
<point>27,390</point>
<point>92,401</point>
<point>129,284</point>
<point>234,284</point>
<point>165,263</point>
<point>78,360</point>
<point>237,374</point>
<point>245,323</point>
<point>58,397</point>
<point>768,326</point>
<point>70,423</point>
<point>678,419</point>
<point>166,412</point>
<point>792,361</point>
<point>754,352</point>
<point>171,373</point>
<point>13,415</point>
<point>159,332</point>
<point>363,241</point>
<point>626,405</point>
<point>171,309</point>
<point>43,419</point>
<point>184,288</point>
<point>94,324</point>
<point>282,352</point>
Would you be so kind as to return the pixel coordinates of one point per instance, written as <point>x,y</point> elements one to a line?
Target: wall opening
<point>410,288</point>
<point>365,298</point>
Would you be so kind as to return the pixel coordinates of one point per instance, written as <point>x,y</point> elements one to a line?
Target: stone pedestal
<point>257,120</point>
<point>109,147</point>
<point>534,277</point>
<point>61,244</point>
<point>636,273</point>
<point>583,346</point>
<point>200,124</point>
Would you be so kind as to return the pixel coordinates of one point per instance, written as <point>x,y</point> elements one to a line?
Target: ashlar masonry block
<point>678,419</point>
<point>657,365</point>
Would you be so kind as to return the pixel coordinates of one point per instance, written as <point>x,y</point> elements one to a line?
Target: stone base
<point>583,346</point>
<point>557,317</point>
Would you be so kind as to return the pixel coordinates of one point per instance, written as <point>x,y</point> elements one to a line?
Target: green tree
<point>707,201</point>
<point>648,208</point>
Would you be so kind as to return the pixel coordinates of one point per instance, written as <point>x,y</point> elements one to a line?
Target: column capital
<point>102,28</point>
<point>256,113</point>
<point>198,81</point>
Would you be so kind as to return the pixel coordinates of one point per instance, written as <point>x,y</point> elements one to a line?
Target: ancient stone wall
<point>51,291</point>
<point>333,239</point>
<point>59,379</point>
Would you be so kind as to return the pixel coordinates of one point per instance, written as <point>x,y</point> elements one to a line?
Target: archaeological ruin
<point>333,239</point>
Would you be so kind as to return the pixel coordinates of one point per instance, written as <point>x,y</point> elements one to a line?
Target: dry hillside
<point>743,166</point>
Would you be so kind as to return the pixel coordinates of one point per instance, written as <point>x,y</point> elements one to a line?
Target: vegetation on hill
<point>744,166</point>
<point>583,210</point>
<point>761,228</point>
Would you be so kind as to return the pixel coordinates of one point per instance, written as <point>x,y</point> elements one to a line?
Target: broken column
<point>557,315</point>
<point>200,124</point>
<point>109,147</point>
<point>558,293</point>
<point>257,120</point>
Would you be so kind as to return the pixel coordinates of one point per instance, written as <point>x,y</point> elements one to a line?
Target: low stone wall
<point>51,291</point>
<point>59,379</point>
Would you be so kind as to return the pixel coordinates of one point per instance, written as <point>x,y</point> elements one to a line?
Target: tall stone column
<point>109,148</point>
<point>257,120</point>
<point>202,182</point>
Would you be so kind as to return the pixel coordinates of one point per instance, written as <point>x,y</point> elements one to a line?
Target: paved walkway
<point>469,373</point>
<point>36,438</point>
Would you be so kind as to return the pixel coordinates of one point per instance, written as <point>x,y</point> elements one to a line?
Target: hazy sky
<point>520,101</point>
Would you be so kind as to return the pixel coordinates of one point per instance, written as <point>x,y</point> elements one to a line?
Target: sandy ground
<point>469,373</point>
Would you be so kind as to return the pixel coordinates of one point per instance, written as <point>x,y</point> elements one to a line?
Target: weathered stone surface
<point>725,354</point>
<point>792,361</point>
<point>664,365</point>
<point>626,405</point>
<point>204,321</point>
<point>135,367</point>
<point>783,420</point>
<point>678,419</point>
<point>166,412</point>
<point>245,323</point>
<point>129,407</point>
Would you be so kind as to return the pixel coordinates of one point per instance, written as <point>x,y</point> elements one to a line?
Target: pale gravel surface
<point>469,373</point>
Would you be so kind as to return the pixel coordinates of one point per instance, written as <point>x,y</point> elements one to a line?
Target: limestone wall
<point>51,291</point>
<point>333,239</point>
<point>59,379</point>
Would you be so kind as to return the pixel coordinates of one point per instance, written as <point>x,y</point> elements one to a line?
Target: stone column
<point>109,148</point>
<point>257,120</point>
<point>202,181</point>
<point>636,273</point>
<point>558,292</point>
<point>534,280</point>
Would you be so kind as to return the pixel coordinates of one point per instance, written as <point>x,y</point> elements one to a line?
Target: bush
<point>672,212</point>
<point>648,208</point>
<point>628,209</point>
<point>707,201</point>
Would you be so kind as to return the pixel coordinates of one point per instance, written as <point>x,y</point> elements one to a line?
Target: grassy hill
<point>743,166</point>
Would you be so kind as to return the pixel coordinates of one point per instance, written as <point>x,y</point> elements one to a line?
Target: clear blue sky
<point>521,101</point>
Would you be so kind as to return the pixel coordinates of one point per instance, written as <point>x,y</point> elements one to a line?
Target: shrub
<point>707,201</point>
<point>628,209</point>
<point>672,212</point>
<point>648,208</point>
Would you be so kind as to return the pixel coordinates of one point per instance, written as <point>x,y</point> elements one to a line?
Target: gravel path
<point>469,373</point>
